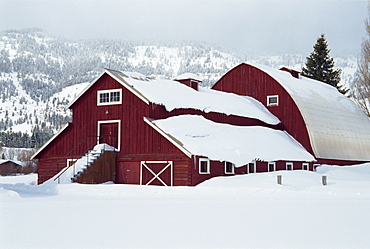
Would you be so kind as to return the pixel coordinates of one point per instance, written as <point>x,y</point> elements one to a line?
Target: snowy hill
<point>40,73</point>
<point>245,211</point>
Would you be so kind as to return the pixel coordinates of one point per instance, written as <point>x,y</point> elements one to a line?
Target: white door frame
<point>119,130</point>
<point>143,164</point>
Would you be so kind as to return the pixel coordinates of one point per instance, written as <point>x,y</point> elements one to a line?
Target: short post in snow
<point>324,180</point>
<point>279,179</point>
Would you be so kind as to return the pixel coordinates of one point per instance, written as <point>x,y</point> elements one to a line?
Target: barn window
<point>289,166</point>
<point>271,166</point>
<point>110,97</point>
<point>251,167</point>
<point>204,166</point>
<point>273,100</point>
<point>305,166</point>
<point>229,168</point>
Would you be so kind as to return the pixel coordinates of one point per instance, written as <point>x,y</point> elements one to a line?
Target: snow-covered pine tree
<point>320,66</point>
<point>361,82</point>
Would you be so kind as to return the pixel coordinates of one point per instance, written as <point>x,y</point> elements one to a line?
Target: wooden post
<point>279,179</point>
<point>324,180</point>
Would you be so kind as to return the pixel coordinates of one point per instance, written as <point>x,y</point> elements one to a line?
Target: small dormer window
<point>273,100</point>
<point>110,97</point>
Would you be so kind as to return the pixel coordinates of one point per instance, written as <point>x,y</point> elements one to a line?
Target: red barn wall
<point>160,112</point>
<point>139,142</point>
<point>248,80</point>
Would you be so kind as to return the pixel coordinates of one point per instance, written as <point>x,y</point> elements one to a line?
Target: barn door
<point>156,173</point>
<point>128,173</point>
<point>108,133</point>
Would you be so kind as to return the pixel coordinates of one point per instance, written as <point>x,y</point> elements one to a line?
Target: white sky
<point>249,26</point>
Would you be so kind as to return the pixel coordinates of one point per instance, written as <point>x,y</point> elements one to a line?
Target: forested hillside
<point>40,74</point>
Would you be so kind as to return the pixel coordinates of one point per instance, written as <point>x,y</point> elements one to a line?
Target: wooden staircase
<point>96,166</point>
<point>100,168</point>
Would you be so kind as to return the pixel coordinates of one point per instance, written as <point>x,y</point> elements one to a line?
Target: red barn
<point>165,133</point>
<point>328,124</point>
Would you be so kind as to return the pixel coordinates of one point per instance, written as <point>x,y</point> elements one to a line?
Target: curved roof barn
<point>336,128</point>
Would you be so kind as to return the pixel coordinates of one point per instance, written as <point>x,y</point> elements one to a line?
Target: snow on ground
<point>245,211</point>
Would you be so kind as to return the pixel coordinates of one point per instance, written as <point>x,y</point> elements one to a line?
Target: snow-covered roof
<point>237,144</point>
<point>337,127</point>
<point>187,76</point>
<point>173,95</point>
<point>13,161</point>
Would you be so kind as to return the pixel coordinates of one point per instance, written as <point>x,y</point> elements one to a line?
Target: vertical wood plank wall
<point>139,142</point>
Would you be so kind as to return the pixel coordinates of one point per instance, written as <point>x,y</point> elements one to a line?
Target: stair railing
<point>72,154</point>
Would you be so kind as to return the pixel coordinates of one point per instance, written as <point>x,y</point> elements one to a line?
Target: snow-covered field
<point>247,211</point>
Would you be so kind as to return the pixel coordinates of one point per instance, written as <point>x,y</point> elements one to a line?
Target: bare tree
<point>361,83</point>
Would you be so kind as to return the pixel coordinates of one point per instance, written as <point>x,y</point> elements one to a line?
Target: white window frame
<point>232,168</point>
<point>289,163</point>
<point>119,130</point>
<point>208,165</point>
<point>270,97</point>
<point>110,91</point>
<point>306,164</point>
<point>254,167</point>
<point>268,166</point>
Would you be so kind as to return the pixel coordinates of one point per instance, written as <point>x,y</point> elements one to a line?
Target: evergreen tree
<point>361,83</point>
<point>320,66</point>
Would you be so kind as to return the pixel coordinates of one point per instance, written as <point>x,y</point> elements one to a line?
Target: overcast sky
<point>248,26</point>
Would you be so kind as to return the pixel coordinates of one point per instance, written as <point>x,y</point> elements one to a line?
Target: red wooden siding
<point>139,142</point>
<point>160,112</point>
<point>248,80</point>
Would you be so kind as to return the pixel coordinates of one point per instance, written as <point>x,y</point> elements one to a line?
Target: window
<point>251,168</point>
<point>273,100</point>
<point>305,166</point>
<point>289,166</point>
<point>271,167</point>
<point>229,168</point>
<point>204,166</point>
<point>110,97</point>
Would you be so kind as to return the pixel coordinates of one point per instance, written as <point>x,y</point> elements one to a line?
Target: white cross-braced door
<point>156,173</point>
